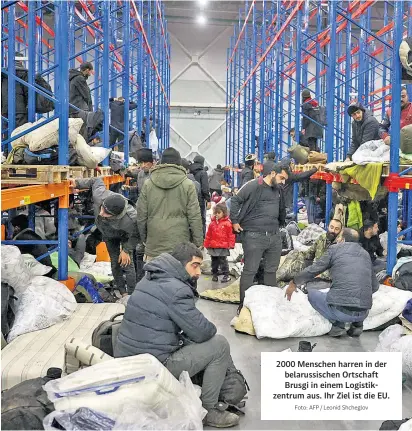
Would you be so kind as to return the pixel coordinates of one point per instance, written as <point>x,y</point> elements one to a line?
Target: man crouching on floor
<point>161,319</point>
<point>353,283</point>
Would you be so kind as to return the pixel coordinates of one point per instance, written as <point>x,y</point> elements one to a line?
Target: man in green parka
<point>168,210</point>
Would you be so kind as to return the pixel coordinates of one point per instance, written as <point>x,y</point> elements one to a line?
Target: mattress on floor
<point>31,355</point>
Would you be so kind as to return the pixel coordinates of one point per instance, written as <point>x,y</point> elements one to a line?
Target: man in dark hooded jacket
<point>365,127</point>
<point>117,118</point>
<point>215,180</point>
<point>161,319</point>
<point>247,173</point>
<point>79,91</point>
<point>311,129</point>
<point>116,219</point>
<point>197,169</point>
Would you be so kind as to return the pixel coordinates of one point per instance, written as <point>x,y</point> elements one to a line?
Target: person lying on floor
<point>22,232</point>
<point>116,219</point>
<point>297,261</point>
<point>161,319</point>
<point>353,283</point>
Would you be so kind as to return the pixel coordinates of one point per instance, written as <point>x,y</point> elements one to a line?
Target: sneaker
<point>214,278</point>
<point>355,329</point>
<point>337,331</point>
<point>225,279</point>
<point>220,419</point>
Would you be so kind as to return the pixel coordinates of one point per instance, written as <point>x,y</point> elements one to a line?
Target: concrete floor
<point>246,355</point>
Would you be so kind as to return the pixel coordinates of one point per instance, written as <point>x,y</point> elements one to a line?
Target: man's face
<point>358,115</point>
<point>375,229</point>
<point>334,227</point>
<point>193,267</point>
<point>16,229</point>
<point>404,98</point>
<point>146,166</point>
<point>292,134</point>
<point>279,178</point>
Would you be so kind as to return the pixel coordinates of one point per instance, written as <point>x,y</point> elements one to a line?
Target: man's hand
<point>124,259</point>
<point>303,131</point>
<point>347,159</point>
<point>289,291</point>
<point>387,140</point>
<point>72,183</point>
<point>236,227</point>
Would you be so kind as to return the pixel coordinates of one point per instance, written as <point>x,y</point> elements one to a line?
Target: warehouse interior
<point>189,184</point>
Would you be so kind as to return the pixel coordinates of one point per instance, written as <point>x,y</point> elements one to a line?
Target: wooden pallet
<point>83,172</point>
<point>308,166</point>
<point>386,170</point>
<point>34,174</point>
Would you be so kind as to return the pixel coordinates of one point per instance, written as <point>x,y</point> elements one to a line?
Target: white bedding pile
<point>274,316</point>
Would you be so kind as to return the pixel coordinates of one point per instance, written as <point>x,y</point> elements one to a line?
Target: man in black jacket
<point>353,283</point>
<point>197,169</point>
<point>258,211</point>
<point>370,241</point>
<point>79,91</point>
<point>247,173</point>
<point>311,129</point>
<point>22,232</point>
<point>365,127</point>
<point>161,319</point>
<point>117,119</point>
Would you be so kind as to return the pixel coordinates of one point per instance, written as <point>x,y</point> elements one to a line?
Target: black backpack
<point>403,277</point>
<point>8,308</point>
<point>48,156</point>
<point>105,335</point>
<point>43,104</point>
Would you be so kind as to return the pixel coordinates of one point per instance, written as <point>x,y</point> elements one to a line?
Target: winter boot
<point>214,278</point>
<point>338,329</point>
<point>219,417</point>
<point>355,329</point>
<point>305,346</point>
<point>225,279</point>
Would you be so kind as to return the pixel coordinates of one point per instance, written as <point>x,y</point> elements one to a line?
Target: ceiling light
<point>202,2</point>
<point>201,19</point>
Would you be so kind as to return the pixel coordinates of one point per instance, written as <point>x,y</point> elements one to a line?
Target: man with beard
<point>161,319</point>
<point>257,212</point>
<point>79,91</point>
<point>297,260</point>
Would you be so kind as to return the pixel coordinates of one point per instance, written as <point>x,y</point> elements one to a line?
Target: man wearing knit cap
<point>145,159</point>
<point>311,127</point>
<point>257,212</point>
<point>168,210</point>
<point>116,219</point>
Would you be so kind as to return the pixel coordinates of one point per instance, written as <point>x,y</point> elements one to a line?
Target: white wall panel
<point>200,52</point>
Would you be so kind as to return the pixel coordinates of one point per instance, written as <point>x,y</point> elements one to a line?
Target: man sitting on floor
<point>296,260</point>
<point>353,283</point>
<point>161,319</point>
<point>370,241</point>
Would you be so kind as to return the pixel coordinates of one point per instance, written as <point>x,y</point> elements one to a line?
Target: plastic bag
<point>44,303</point>
<point>184,412</point>
<point>78,420</point>
<point>153,141</point>
<point>13,269</point>
<point>22,140</point>
<point>86,286</point>
<point>89,156</point>
<point>34,266</point>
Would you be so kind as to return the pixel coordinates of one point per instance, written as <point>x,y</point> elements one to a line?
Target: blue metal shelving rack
<point>280,47</point>
<point>128,44</point>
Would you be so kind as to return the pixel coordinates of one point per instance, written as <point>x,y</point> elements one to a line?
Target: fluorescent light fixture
<point>203,2</point>
<point>201,19</point>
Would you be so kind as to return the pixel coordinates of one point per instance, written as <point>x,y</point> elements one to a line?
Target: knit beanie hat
<point>171,156</point>
<point>271,155</point>
<point>306,94</point>
<point>353,108</point>
<point>145,155</point>
<point>186,164</point>
<point>114,204</point>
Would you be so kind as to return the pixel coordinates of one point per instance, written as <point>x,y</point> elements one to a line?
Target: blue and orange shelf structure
<point>338,51</point>
<point>128,44</point>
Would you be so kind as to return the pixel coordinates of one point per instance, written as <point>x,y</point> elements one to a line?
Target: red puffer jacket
<point>220,234</point>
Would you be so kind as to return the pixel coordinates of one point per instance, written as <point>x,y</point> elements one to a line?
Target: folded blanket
<point>368,176</point>
<point>372,152</point>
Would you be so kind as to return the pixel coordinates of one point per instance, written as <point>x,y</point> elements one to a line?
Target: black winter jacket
<point>292,179</point>
<point>353,278</point>
<point>196,168</point>
<point>117,113</point>
<point>79,92</point>
<point>123,226</point>
<point>21,92</point>
<point>161,312</point>
<point>363,131</point>
<point>312,129</point>
<point>246,175</point>
<point>242,203</point>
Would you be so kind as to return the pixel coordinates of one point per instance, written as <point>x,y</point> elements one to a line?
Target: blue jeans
<point>317,300</point>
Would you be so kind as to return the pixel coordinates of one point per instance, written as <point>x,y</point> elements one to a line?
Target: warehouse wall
<point>198,90</point>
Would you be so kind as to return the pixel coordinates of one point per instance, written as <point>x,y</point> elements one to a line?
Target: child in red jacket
<point>219,239</point>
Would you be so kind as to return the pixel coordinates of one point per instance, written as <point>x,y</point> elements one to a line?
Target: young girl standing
<point>219,240</point>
